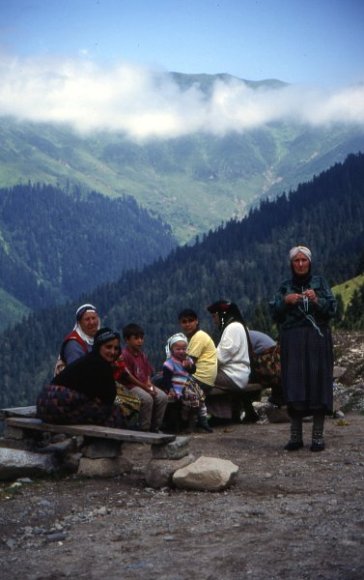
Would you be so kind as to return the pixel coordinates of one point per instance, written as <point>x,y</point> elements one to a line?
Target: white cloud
<point>146,103</point>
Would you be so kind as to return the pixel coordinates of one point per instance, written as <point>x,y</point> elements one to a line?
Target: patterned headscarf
<point>104,335</point>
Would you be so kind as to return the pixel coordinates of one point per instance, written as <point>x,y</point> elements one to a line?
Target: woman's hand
<point>293,298</point>
<point>310,294</point>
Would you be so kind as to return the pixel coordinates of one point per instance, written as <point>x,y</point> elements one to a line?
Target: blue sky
<point>297,41</point>
<point>68,60</point>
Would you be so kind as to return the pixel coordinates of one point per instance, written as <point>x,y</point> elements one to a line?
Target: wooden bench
<point>173,413</point>
<point>25,418</point>
<point>230,404</point>
<point>88,450</point>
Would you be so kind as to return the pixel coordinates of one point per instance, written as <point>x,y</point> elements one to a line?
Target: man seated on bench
<point>84,392</point>
<point>233,363</point>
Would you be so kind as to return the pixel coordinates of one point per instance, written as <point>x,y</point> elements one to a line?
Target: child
<point>153,400</point>
<point>201,349</point>
<point>178,380</point>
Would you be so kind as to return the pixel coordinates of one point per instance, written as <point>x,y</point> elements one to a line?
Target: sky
<point>103,64</point>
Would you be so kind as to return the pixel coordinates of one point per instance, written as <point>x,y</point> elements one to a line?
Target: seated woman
<point>84,392</point>
<point>266,364</point>
<point>80,340</point>
<point>233,361</point>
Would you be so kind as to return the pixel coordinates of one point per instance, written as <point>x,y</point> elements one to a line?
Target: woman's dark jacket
<point>301,314</point>
<point>91,375</point>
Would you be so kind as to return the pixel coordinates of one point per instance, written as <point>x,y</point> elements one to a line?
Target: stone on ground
<point>206,473</point>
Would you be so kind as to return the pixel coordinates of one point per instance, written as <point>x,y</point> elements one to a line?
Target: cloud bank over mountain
<point>145,103</point>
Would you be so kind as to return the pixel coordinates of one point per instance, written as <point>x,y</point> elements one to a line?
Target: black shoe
<point>276,402</point>
<point>293,445</point>
<point>317,445</point>
<point>203,423</point>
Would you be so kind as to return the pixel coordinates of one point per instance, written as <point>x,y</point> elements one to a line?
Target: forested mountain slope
<point>243,261</point>
<point>54,245</point>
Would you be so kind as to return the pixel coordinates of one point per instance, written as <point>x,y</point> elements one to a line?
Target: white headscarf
<point>79,313</point>
<point>299,249</point>
<point>179,336</point>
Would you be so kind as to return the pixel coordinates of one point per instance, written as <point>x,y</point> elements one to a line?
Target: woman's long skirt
<point>307,369</point>
<point>64,406</point>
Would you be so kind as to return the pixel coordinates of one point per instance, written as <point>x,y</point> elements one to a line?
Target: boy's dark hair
<point>187,313</point>
<point>132,329</point>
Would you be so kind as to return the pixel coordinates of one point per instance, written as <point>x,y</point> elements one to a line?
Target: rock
<point>206,473</point>
<point>56,537</point>
<point>71,461</point>
<point>102,448</point>
<point>15,463</point>
<point>103,467</point>
<point>60,447</point>
<point>159,472</point>
<point>353,398</point>
<point>175,450</point>
<point>339,371</point>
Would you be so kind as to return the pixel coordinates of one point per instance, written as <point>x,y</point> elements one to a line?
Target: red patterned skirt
<point>64,406</point>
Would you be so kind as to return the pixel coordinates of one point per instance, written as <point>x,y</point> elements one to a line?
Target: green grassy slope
<point>346,289</point>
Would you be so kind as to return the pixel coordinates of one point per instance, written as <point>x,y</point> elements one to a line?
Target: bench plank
<point>18,412</point>
<point>96,431</point>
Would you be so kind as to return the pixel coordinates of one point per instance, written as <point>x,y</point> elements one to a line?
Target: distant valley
<point>195,182</point>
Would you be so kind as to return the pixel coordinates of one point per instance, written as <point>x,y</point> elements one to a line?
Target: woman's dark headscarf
<point>227,312</point>
<point>104,335</point>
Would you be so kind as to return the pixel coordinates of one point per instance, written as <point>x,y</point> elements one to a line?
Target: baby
<point>178,381</point>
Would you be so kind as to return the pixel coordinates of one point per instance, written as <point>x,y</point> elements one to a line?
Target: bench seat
<point>93,431</point>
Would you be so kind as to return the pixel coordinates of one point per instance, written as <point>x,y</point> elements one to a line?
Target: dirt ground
<point>289,515</point>
<point>295,515</point>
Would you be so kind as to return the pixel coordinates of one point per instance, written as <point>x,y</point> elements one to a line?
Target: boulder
<point>103,467</point>
<point>206,473</point>
<point>159,472</point>
<point>174,450</point>
<point>15,463</point>
<point>102,448</point>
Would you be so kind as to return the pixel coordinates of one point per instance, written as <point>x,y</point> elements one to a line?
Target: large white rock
<point>206,473</point>
<point>16,463</point>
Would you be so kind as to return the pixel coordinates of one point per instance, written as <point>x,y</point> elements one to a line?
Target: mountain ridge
<point>174,178</point>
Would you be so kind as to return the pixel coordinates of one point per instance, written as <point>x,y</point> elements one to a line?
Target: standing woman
<point>302,309</point>
<point>84,392</point>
